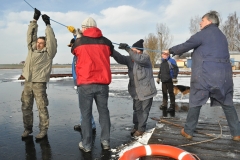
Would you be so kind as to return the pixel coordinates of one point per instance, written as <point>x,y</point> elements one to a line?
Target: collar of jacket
<point>93,32</point>
<point>210,25</point>
<point>166,59</point>
<point>42,51</point>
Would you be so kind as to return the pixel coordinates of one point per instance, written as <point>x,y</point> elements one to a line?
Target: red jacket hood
<point>93,32</point>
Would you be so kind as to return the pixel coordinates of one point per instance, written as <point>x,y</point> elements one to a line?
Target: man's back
<point>93,62</point>
<point>212,43</point>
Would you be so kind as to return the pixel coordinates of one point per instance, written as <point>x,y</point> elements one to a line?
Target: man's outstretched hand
<point>37,14</point>
<point>123,46</point>
<point>46,19</point>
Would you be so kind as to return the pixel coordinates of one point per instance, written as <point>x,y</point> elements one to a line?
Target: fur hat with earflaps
<point>138,45</point>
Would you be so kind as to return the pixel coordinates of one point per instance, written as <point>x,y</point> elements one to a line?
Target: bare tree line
<point>162,39</point>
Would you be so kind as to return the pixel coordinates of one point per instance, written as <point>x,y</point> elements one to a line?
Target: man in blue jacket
<point>211,74</point>
<point>168,71</point>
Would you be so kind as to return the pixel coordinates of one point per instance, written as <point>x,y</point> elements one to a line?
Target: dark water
<point>62,141</point>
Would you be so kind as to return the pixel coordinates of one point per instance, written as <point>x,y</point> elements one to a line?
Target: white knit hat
<point>89,22</point>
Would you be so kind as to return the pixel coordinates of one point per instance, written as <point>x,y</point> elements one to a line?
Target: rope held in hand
<point>112,42</point>
<point>50,18</point>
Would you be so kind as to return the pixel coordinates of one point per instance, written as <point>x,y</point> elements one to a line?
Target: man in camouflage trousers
<point>36,71</point>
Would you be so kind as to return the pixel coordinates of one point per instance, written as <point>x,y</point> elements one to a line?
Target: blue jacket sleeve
<point>73,70</point>
<point>192,43</point>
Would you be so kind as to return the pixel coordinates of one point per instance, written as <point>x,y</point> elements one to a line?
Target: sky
<point>121,21</point>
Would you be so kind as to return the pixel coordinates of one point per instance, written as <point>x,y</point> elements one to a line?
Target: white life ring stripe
<point>148,150</point>
<point>180,157</point>
<point>157,149</point>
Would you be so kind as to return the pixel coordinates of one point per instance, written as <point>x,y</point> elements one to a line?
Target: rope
<point>179,126</point>
<point>189,144</point>
<point>49,18</point>
<point>29,4</point>
<point>112,42</point>
<point>140,48</point>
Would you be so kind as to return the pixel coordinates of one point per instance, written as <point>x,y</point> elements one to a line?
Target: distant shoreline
<point>20,66</point>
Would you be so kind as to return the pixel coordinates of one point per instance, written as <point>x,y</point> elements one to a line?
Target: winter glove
<point>123,46</point>
<point>158,80</point>
<point>37,14</point>
<point>78,33</point>
<point>46,19</point>
<point>71,29</point>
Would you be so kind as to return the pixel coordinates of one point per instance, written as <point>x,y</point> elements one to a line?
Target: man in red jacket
<point>93,52</point>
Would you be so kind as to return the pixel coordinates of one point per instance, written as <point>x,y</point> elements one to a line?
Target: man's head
<point>41,43</point>
<point>209,18</point>
<point>138,46</point>
<point>165,55</point>
<point>88,23</point>
<point>71,42</point>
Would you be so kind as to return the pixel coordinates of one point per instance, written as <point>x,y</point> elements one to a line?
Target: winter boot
<point>26,133</point>
<point>138,134</point>
<point>42,134</point>
<point>164,105</point>
<point>82,148</point>
<point>133,131</point>
<point>105,145</point>
<point>171,108</point>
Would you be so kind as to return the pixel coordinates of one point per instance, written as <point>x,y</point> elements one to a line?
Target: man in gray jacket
<point>141,84</point>
<point>36,71</point>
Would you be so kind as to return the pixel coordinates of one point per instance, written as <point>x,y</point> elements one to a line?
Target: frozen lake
<point>62,141</point>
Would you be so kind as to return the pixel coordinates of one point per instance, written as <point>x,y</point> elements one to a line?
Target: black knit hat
<point>139,44</point>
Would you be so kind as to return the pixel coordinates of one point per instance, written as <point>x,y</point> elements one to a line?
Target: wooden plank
<point>222,148</point>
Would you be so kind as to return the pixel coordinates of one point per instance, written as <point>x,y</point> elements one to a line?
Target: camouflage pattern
<point>35,90</point>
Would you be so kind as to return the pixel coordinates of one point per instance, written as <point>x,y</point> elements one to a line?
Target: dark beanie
<point>139,44</point>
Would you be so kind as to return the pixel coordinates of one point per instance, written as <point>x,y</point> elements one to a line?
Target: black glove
<point>37,14</point>
<point>46,19</point>
<point>123,46</point>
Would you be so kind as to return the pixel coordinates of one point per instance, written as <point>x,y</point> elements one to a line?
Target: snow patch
<point>138,142</point>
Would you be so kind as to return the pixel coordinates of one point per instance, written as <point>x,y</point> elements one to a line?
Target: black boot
<point>164,105</point>
<point>171,108</point>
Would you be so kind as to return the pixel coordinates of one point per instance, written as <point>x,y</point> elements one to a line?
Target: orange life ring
<point>156,150</point>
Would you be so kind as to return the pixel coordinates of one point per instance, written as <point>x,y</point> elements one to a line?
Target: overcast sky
<point>123,21</point>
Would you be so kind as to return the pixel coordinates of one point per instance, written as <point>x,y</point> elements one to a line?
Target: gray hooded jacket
<point>141,82</point>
